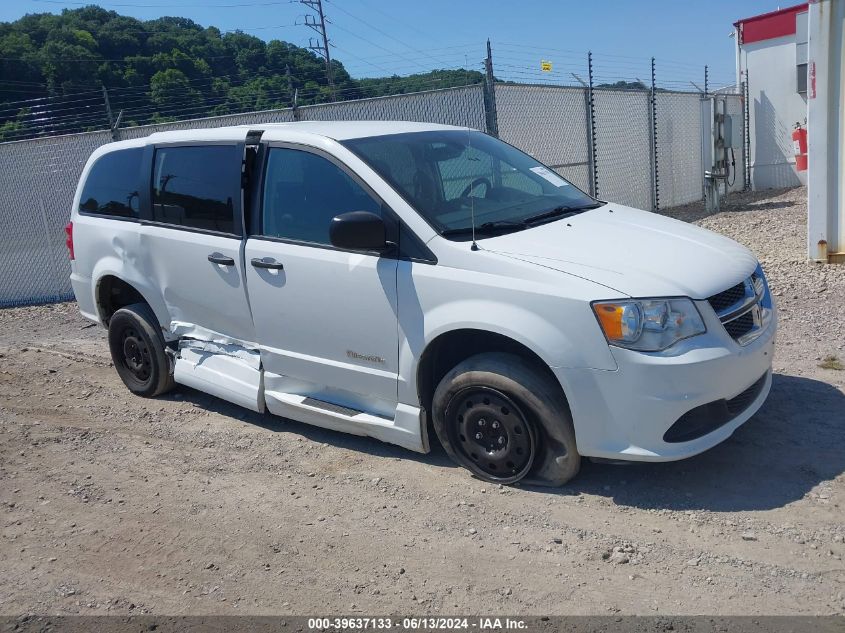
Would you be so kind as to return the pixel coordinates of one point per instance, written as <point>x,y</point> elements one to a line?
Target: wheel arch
<point>112,292</point>
<point>450,348</point>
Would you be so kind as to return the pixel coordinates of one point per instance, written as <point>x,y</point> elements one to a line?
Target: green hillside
<point>53,67</point>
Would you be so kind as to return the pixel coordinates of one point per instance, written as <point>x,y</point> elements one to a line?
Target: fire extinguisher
<point>799,142</point>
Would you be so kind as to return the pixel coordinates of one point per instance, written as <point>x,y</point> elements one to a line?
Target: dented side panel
<point>226,371</point>
<point>204,299</point>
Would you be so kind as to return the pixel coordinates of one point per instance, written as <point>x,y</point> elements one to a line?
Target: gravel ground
<point>187,505</point>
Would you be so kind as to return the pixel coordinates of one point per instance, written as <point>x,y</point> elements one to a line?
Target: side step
<point>234,373</point>
<point>334,408</point>
<point>405,429</point>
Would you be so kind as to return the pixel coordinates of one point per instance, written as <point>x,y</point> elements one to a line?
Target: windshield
<point>450,175</point>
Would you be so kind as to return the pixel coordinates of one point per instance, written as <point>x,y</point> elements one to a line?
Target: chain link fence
<point>626,157</point>
<point>38,179</point>
<point>679,148</point>
<point>623,154</point>
<point>550,124</point>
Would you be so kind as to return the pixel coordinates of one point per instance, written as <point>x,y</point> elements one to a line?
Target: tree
<point>169,67</point>
<point>170,89</point>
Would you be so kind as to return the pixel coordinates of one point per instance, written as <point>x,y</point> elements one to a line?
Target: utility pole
<point>319,27</point>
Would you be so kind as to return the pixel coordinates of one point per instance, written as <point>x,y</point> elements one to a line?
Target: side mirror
<point>358,231</point>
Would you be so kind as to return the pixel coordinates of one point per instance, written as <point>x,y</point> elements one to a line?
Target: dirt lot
<point>186,505</point>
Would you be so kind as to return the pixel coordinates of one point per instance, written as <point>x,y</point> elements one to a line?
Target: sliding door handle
<point>223,260</point>
<point>267,263</point>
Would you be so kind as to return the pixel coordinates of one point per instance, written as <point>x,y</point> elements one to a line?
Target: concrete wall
<point>775,108</point>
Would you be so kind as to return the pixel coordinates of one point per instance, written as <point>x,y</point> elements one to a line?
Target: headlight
<point>648,325</point>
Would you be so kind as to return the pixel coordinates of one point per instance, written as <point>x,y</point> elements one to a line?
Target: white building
<point>772,56</point>
<point>792,59</point>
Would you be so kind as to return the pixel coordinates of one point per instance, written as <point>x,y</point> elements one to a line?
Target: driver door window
<point>303,192</point>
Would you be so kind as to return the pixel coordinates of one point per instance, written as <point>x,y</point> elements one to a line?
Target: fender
<point>556,344</point>
<point>115,267</point>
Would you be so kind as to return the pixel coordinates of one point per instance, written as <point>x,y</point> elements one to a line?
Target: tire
<point>138,351</point>
<point>504,421</point>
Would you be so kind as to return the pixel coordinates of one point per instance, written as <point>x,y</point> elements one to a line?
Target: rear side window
<point>303,192</point>
<point>197,187</point>
<point>111,188</point>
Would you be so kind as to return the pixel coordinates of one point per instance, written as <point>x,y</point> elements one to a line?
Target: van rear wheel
<point>138,351</point>
<point>504,421</point>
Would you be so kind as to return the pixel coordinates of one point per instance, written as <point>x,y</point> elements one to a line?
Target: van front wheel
<point>504,421</point>
<point>137,350</point>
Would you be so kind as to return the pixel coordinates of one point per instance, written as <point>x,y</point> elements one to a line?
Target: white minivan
<point>370,277</point>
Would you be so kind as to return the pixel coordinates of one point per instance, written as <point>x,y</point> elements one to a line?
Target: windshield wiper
<point>487,227</point>
<point>560,211</point>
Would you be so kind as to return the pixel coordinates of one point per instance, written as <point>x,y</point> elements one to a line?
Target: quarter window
<point>112,185</point>
<point>197,187</point>
<point>303,192</point>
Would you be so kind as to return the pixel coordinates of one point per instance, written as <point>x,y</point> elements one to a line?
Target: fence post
<point>114,124</point>
<point>746,135</point>
<point>490,94</point>
<point>655,178</point>
<point>293,94</point>
<point>591,107</point>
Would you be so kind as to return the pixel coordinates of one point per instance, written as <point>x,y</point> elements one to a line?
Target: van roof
<point>336,130</point>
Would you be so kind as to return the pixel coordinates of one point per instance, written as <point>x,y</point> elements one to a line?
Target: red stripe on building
<point>769,25</point>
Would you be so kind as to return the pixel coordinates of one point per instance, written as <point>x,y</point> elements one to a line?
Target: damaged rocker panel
<point>231,370</point>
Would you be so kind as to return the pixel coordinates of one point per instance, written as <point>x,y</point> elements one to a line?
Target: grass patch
<point>831,362</point>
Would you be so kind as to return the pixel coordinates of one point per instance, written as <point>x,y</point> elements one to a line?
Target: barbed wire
<point>204,96</point>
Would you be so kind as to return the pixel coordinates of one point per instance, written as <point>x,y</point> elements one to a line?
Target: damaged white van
<point>371,276</point>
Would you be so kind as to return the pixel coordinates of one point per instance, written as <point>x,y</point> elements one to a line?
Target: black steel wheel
<point>138,350</point>
<point>491,434</point>
<point>505,418</point>
<point>136,355</point>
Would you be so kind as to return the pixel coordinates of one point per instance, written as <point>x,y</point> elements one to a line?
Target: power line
<point>175,109</point>
<point>395,19</point>
<point>98,60</point>
<point>607,56</point>
<point>371,43</point>
<point>170,6</point>
<point>366,61</point>
<point>378,30</point>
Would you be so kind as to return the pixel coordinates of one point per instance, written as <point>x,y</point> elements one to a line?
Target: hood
<point>637,253</point>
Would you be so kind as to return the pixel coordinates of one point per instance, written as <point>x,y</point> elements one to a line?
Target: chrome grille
<point>742,308</point>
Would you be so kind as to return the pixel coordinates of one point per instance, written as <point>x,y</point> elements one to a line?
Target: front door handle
<point>217,258</point>
<point>268,263</point>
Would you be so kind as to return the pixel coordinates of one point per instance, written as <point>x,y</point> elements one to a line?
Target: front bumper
<point>624,414</point>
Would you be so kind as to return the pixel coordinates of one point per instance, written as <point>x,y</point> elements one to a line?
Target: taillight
<point>69,238</point>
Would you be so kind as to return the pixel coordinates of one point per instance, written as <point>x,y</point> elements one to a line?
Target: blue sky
<point>379,37</point>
